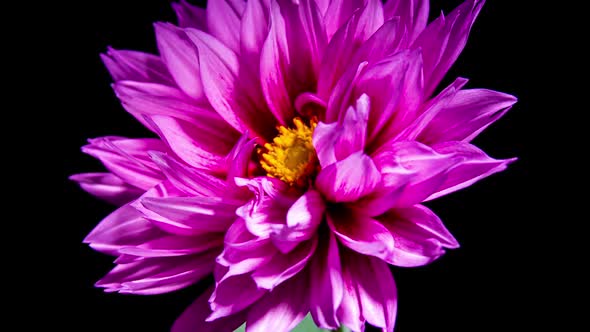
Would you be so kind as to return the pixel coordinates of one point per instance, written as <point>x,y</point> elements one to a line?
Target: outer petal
<point>128,158</point>
<point>189,180</point>
<point>419,234</point>
<point>361,234</point>
<point>443,40</point>
<point>223,21</point>
<point>180,56</point>
<point>198,215</point>
<point>388,39</point>
<point>108,187</point>
<point>136,66</point>
<point>339,12</point>
<point>467,114</point>
<point>376,289</point>
<point>158,275</point>
<point>325,283</point>
<point>413,14</point>
<point>193,318</point>
<point>232,295</point>
<point>281,309</point>
<point>225,91</point>
<point>337,58</point>
<point>201,144</point>
<point>190,16</point>
<point>348,179</point>
<point>433,172</point>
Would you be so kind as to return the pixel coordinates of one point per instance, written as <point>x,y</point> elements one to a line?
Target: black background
<point>490,283</point>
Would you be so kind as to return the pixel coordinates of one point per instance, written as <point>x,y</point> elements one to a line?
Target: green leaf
<point>306,325</point>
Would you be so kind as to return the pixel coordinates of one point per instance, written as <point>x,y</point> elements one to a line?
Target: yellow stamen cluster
<point>291,156</point>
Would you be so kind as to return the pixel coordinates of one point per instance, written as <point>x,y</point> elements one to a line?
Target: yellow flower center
<point>291,156</point>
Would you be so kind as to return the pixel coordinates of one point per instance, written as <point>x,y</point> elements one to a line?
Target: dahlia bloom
<point>297,141</point>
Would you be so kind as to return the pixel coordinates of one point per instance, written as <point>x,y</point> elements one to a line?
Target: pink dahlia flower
<point>297,143</point>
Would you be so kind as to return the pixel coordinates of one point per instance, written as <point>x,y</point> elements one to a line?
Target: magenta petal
<point>232,295</point>
<point>376,288</point>
<point>467,114</point>
<point>325,284</point>
<point>281,309</point>
<point>305,215</point>
<point>348,179</point>
<point>238,160</point>
<point>125,227</point>
<point>136,66</point>
<point>284,266</point>
<point>197,214</point>
<point>413,14</point>
<point>339,12</point>
<point>291,54</point>
<point>108,187</point>
<point>337,141</point>
<point>474,166</point>
<point>180,56</point>
<point>227,94</point>
<point>387,40</point>
<point>363,23</point>
<point>420,236</point>
<point>202,144</point>
<point>443,40</point>
<point>224,19</point>
<point>349,311</point>
<point>174,245</point>
<point>193,318</point>
<point>190,16</point>
<point>430,110</point>
<point>189,180</point>
<point>361,233</point>
<point>128,158</point>
<point>158,275</point>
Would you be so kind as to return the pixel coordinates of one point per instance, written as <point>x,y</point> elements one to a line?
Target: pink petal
<point>394,86</point>
<point>376,289</point>
<point>291,54</point>
<point>362,234</point>
<point>474,166</point>
<point>125,227</point>
<point>128,158</point>
<point>413,15</point>
<point>339,12</point>
<point>467,114</point>
<point>340,97</point>
<point>347,40</point>
<point>158,275</point>
<point>193,318</point>
<point>284,266</point>
<point>336,141</point>
<point>239,159</point>
<point>197,215</point>
<point>223,21</point>
<point>189,180</point>
<point>349,311</point>
<point>190,16</point>
<point>325,283</point>
<point>388,39</point>
<point>136,66</point>
<point>180,56</point>
<point>232,295</point>
<point>430,110</point>
<point>282,308</point>
<point>443,40</point>
<point>229,96</point>
<point>108,187</point>
<point>203,144</point>
<point>174,245</point>
<point>348,179</point>
<point>419,234</point>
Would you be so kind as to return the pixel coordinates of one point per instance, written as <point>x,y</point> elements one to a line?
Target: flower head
<point>297,143</point>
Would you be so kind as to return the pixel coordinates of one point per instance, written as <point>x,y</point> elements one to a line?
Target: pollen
<point>291,156</point>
